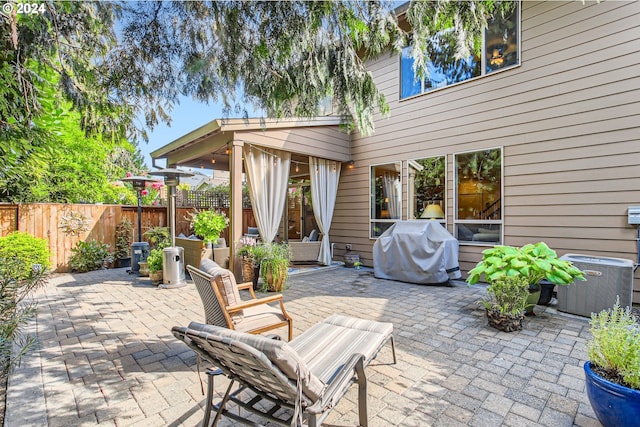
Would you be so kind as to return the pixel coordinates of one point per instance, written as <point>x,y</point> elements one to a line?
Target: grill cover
<point>416,251</point>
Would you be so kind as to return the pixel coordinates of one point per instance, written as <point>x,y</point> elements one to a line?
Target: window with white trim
<point>478,196</point>
<point>385,197</point>
<point>427,188</point>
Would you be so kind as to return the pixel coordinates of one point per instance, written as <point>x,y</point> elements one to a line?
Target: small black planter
<point>546,292</point>
<point>123,262</point>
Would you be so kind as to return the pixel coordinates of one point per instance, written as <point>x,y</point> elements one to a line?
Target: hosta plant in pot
<point>613,370</point>
<point>533,262</point>
<point>506,302</point>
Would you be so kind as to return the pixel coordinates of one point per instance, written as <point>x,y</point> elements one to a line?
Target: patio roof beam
<point>203,149</point>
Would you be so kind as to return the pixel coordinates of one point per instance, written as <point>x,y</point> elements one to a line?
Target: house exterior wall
<point>568,119</point>
<point>327,142</point>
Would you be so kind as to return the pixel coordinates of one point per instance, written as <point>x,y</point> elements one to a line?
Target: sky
<point>187,116</point>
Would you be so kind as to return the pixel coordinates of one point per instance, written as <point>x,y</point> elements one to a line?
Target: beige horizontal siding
<point>325,142</point>
<point>568,118</point>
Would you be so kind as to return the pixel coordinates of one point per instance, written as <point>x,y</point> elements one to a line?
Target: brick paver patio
<point>107,356</point>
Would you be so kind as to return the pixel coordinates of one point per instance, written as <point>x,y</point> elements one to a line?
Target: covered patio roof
<point>319,137</point>
<point>218,145</point>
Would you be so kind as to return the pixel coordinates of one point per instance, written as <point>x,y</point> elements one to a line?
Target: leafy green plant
<point>533,261</point>
<point>154,260</point>
<point>615,345</point>
<point>210,224</point>
<point>508,295</point>
<point>124,237</point>
<point>158,237</point>
<point>29,250</point>
<point>89,256</point>
<point>14,310</point>
<point>274,265</point>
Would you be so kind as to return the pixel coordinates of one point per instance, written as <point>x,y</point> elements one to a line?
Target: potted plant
<point>154,263</point>
<point>124,236</point>
<point>506,302</point>
<point>274,266</point>
<point>158,237</point>
<point>246,253</point>
<point>534,262</point>
<point>209,225</point>
<point>613,370</point>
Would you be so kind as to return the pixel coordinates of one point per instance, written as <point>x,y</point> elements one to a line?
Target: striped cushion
<point>227,286</point>
<point>278,352</point>
<point>328,345</point>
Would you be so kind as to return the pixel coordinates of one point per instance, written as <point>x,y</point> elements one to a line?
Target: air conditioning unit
<point>607,280</point>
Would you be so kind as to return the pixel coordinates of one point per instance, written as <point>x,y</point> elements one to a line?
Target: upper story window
<point>500,45</point>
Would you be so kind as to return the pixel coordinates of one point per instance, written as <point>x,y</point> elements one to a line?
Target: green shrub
<point>154,260</point>
<point>14,312</point>
<point>124,236</point>
<point>158,237</point>
<point>29,250</point>
<point>210,224</point>
<point>615,346</point>
<point>89,256</point>
<point>508,295</point>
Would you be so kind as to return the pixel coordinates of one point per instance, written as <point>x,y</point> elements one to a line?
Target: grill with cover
<point>416,251</point>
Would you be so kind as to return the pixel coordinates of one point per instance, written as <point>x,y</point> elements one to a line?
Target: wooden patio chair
<point>308,376</point>
<point>223,306</point>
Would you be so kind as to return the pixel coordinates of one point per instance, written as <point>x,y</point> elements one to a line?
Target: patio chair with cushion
<point>223,306</point>
<point>307,376</point>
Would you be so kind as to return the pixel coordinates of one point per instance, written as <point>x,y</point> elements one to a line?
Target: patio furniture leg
<point>362,394</point>
<point>222,404</point>
<point>393,349</point>
<point>211,373</point>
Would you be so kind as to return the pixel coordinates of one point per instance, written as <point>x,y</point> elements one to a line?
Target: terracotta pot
<point>274,283</point>
<point>156,277</point>
<point>144,268</point>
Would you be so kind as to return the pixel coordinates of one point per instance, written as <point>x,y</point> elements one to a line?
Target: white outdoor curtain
<point>267,174</point>
<point>325,175</point>
<point>391,185</point>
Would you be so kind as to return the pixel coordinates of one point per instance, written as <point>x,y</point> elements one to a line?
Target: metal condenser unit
<point>607,280</point>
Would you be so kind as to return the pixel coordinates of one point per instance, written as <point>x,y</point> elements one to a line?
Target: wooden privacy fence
<point>46,220</point>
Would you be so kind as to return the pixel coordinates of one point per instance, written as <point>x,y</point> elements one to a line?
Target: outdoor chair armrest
<point>247,286</point>
<point>337,387</point>
<point>253,303</point>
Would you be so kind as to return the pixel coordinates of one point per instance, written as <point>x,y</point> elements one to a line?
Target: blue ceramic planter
<point>614,405</point>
